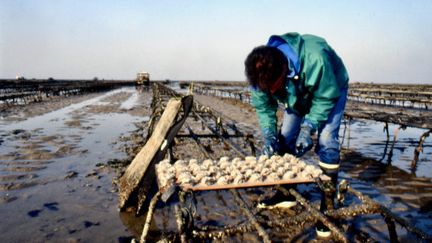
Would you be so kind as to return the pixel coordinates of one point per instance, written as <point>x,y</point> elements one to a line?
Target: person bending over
<point>303,74</point>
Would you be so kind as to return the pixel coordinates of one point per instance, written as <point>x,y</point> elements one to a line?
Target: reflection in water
<point>393,145</point>
<point>403,187</point>
<point>59,158</point>
<point>382,160</point>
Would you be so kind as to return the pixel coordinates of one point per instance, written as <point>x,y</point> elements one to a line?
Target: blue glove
<point>304,140</point>
<point>271,144</point>
<point>268,150</point>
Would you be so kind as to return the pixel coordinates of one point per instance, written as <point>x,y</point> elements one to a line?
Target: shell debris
<point>236,171</point>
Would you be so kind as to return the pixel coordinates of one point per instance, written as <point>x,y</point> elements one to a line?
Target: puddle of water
<point>130,103</point>
<point>70,197</point>
<point>369,139</point>
<point>47,118</point>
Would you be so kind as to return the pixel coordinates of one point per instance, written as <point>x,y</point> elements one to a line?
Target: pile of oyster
<point>236,171</point>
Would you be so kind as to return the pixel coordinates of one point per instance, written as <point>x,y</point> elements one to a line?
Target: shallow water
<point>382,170</point>
<point>368,138</point>
<point>55,185</point>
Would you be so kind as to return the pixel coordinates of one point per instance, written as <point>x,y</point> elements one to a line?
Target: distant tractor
<point>143,78</point>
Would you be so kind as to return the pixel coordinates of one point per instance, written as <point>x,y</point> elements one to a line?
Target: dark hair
<point>264,65</point>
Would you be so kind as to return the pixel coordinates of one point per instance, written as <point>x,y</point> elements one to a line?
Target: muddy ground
<point>59,162</point>
<point>56,182</point>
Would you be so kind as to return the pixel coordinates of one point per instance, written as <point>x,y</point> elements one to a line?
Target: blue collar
<point>293,60</point>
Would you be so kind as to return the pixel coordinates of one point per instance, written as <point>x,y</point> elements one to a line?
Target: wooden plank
<point>134,174</point>
<point>249,185</point>
<point>256,184</point>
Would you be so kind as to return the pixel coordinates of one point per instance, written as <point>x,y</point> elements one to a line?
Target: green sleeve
<point>266,108</point>
<point>322,83</point>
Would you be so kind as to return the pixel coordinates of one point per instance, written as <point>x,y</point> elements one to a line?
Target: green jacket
<point>321,78</point>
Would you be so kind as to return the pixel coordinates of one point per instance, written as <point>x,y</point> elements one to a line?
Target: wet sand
<point>55,181</point>
<point>58,164</point>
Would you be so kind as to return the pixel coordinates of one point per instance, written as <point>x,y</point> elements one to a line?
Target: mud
<point>59,162</point>
<point>55,182</point>
<point>23,112</point>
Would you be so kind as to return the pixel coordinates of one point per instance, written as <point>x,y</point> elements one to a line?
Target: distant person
<point>305,75</point>
<point>307,78</point>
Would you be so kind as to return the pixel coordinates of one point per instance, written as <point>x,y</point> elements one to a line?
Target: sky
<point>386,41</point>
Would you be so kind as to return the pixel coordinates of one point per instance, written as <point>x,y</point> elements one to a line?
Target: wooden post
<point>149,217</point>
<point>419,149</point>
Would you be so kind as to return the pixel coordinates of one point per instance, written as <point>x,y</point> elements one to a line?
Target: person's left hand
<point>304,140</point>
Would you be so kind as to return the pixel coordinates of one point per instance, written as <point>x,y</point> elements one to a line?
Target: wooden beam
<point>134,174</point>
<point>254,184</point>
